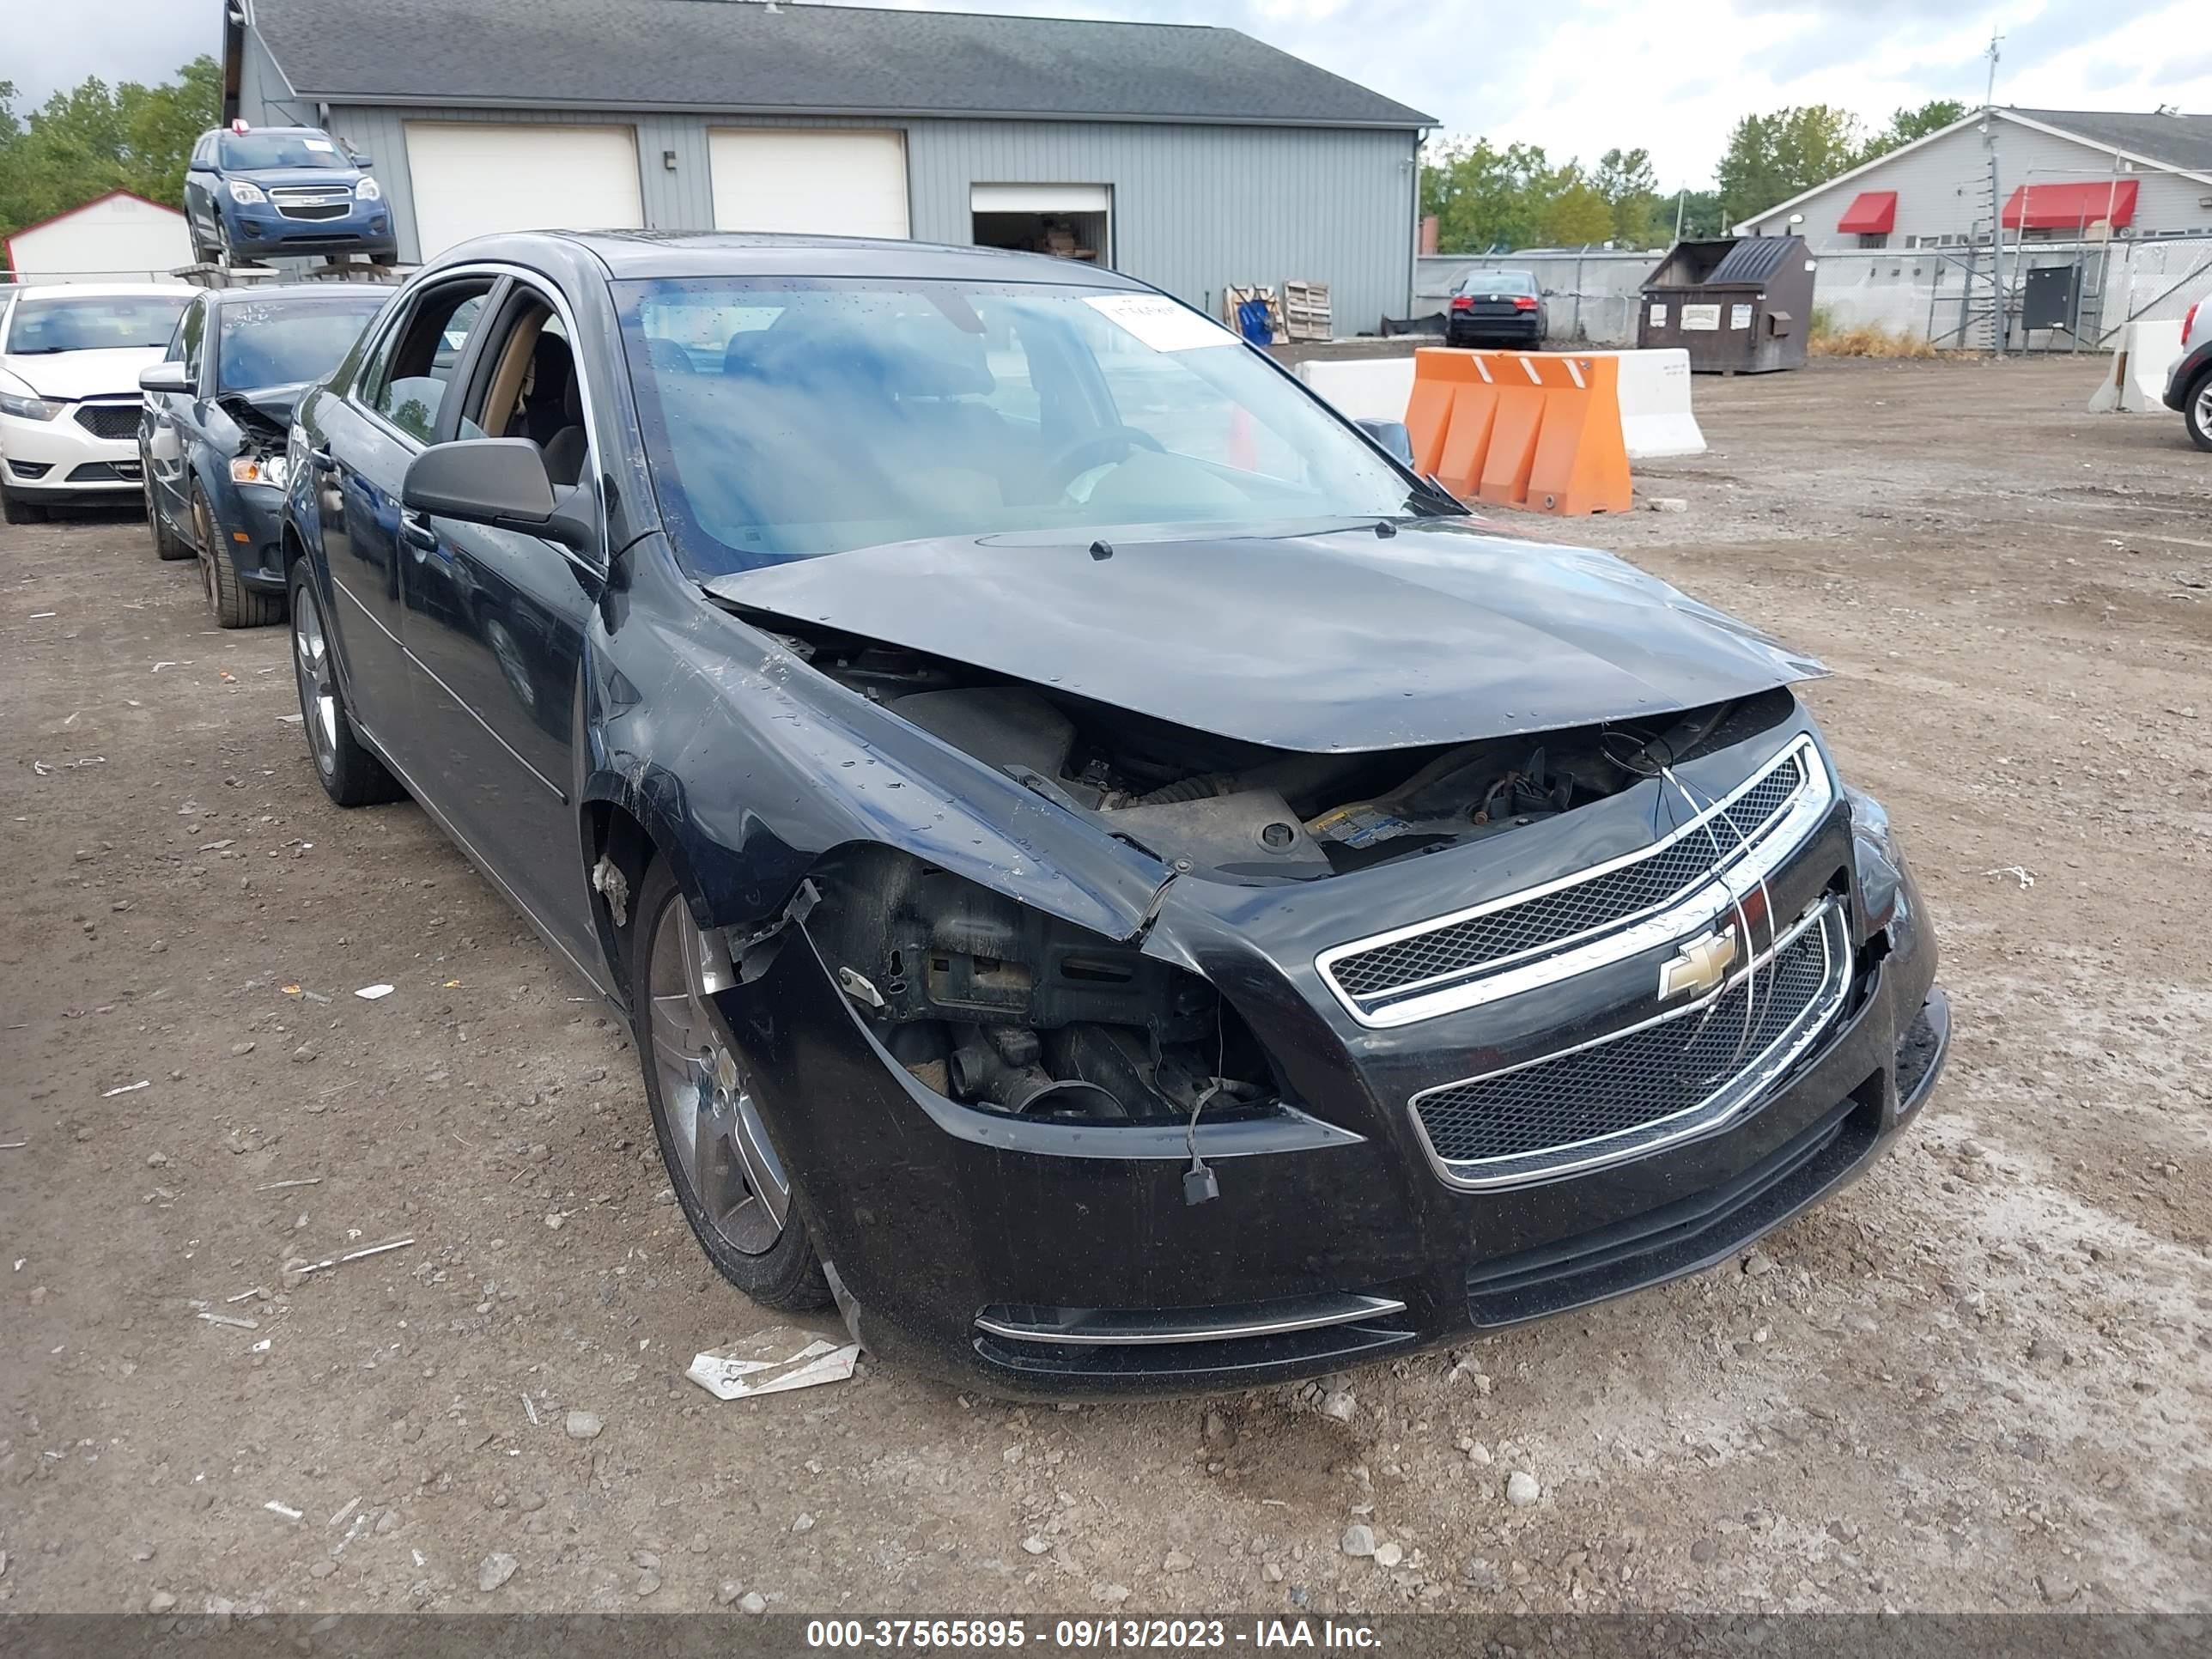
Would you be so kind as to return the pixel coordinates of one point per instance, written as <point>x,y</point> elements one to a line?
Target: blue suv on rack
<point>280,192</point>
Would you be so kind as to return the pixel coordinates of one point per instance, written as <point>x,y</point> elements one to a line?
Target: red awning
<point>1872,213</point>
<point>2072,207</point>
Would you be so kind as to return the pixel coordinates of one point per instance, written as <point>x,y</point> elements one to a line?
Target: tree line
<point>1488,200</point>
<point>95,138</point>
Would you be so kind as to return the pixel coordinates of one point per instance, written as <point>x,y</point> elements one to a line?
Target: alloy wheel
<point>318,692</point>
<point>721,1146</point>
<point>2204,404</point>
<point>203,533</point>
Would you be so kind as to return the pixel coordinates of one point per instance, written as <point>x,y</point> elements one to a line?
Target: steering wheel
<point>1099,449</point>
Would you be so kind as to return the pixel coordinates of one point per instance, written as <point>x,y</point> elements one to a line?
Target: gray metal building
<point>2063,175</point>
<point>1191,157</point>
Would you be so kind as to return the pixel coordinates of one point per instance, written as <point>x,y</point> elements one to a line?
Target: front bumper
<point>1041,1260</point>
<point>2185,373</point>
<point>64,460</point>
<point>250,520</point>
<point>260,232</point>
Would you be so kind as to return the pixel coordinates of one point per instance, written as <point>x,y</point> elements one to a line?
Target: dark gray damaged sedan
<point>1115,883</point>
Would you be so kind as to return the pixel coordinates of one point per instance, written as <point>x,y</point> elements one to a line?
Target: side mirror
<point>164,377</point>
<point>1393,436</point>
<point>502,482</point>
<point>362,161</point>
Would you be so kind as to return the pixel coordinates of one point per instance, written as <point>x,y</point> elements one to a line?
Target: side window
<point>191,334</point>
<point>528,388</point>
<point>408,386</point>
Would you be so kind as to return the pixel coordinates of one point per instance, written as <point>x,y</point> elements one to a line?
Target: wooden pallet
<point>1306,311</point>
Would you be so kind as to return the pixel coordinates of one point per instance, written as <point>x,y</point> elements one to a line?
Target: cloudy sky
<point>1576,76</point>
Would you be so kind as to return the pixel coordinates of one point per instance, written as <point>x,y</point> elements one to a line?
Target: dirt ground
<point>1980,1379</point>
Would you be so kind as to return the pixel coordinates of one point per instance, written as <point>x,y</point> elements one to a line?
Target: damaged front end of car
<point>1112,1049</point>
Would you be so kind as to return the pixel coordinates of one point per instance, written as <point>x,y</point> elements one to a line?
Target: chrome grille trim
<point>1748,1087</point>
<point>1735,875</point>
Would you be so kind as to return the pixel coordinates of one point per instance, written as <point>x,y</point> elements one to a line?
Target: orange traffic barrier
<point>1520,428</point>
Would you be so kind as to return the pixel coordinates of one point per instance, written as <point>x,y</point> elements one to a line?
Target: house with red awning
<point>2061,176</point>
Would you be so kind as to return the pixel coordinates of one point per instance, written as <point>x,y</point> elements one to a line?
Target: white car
<point>69,360</point>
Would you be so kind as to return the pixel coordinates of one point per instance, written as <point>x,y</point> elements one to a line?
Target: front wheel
<point>2196,411</point>
<point>234,604</point>
<point>350,776</point>
<point>725,1173</point>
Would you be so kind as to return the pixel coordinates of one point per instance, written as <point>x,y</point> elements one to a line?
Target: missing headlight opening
<point>1004,1009</point>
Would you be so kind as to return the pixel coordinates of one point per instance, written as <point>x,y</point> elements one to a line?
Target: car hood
<point>1327,640</point>
<point>304,178</point>
<point>68,375</point>
<point>275,402</point>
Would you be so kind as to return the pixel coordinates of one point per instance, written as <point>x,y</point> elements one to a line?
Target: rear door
<point>496,623</point>
<point>367,439</point>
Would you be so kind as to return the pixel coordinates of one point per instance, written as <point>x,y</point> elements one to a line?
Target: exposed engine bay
<point>1005,1009</point>
<point>1242,812</point>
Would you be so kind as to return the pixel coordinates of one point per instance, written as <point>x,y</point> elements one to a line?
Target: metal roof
<point>1755,258</point>
<point>744,55</point>
<point>2178,141</point>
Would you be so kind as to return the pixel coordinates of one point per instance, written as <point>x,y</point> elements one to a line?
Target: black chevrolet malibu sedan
<point>1115,882</point>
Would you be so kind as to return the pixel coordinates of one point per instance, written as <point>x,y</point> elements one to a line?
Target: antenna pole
<point>1996,204</point>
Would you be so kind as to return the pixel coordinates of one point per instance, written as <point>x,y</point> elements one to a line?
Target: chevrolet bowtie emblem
<point>1699,966</point>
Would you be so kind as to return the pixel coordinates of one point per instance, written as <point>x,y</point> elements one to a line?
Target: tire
<point>234,604</point>
<point>2196,411</point>
<point>168,544</point>
<point>14,509</point>
<point>765,1252</point>
<point>350,776</point>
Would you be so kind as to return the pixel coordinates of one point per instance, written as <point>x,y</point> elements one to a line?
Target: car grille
<point>1685,1074</point>
<point>1370,976</point>
<point>109,420</point>
<point>305,211</point>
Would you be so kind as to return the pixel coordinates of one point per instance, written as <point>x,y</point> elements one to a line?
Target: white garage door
<point>831,182</point>
<point>473,178</point>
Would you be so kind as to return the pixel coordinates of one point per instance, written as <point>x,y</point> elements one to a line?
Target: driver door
<point>496,625</point>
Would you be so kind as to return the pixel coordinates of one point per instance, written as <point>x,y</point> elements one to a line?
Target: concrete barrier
<point>2141,362</point>
<point>1539,429</point>
<point>1655,419</point>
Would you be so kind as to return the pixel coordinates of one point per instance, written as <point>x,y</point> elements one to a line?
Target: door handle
<point>322,459</point>
<point>417,534</point>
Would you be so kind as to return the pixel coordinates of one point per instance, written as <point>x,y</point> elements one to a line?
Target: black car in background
<point>1497,308</point>
<point>211,433</point>
<point>1113,880</point>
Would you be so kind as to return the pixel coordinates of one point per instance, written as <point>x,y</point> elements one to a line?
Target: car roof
<point>375,293</point>
<point>99,290</point>
<point>228,132</point>
<point>650,253</point>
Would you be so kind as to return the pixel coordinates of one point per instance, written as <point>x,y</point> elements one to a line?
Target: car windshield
<point>789,418</point>
<point>1497,282</point>
<point>249,152</point>
<point>42,328</point>
<point>285,342</point>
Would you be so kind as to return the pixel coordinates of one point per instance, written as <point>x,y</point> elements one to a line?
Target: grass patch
<point>1829,338</point>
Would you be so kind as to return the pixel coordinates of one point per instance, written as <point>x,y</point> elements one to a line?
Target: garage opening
<point>1071,222</point>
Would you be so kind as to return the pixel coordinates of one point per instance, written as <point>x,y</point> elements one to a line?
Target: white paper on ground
<point>373,992</point>
<point>772,1362</point>
<point>1159,322</point>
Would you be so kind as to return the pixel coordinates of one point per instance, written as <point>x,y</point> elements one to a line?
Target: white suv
<point>69,359</point>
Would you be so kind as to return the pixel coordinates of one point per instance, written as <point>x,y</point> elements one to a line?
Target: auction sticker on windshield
<point>1159,322</point>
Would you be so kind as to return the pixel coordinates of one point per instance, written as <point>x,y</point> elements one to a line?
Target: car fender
<point>747,768</point>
